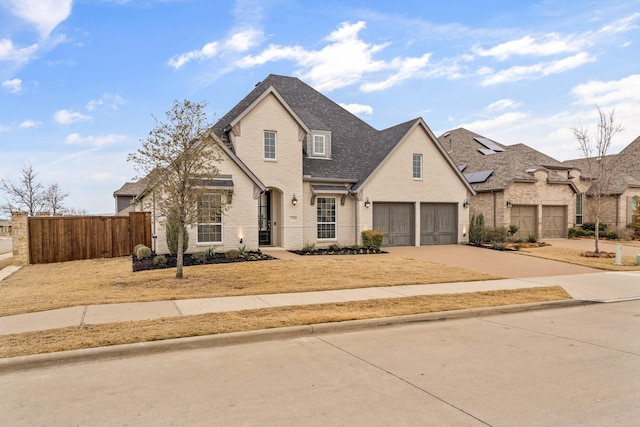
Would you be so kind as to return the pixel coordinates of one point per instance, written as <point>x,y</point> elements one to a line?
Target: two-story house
<point>298,169</point>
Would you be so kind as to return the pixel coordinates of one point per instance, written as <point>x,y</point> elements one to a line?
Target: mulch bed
<point>340,251</point>
<point>602,254</point>
<point>148,263</point>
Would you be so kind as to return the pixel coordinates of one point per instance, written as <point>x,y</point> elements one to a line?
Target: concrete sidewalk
<point>600,287</point>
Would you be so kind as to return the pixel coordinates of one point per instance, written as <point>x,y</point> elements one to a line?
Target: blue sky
<point>80,80</point>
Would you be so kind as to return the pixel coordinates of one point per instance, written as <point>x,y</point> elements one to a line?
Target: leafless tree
<point>595,146</point>
<point>176,158</point>
<point>53,199</point>
<point>26,194</point>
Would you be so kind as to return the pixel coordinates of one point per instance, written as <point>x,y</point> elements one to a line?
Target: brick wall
<point>20,235</point>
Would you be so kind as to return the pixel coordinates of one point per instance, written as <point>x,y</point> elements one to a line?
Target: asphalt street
<point>569,366</point>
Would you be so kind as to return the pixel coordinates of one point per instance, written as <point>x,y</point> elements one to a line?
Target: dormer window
<point>319,148</point>
<point>319,144</point>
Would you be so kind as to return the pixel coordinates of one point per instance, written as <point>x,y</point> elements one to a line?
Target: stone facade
<point>20,235</point>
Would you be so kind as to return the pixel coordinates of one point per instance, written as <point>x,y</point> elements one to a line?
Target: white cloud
<point>108,100</point>
<point>494,123</point>
<point>622,25</point>
<point>45,15</point>
<point>29,124</point>
<point>67,117</point>
<point>8,52</point>
<point>209,50</point>
<point>243,40</point>
<point>535,71</point>
<point>13,86</point>
<point>96,141</point>
<point>407,68</point>
<point>608,93</point>
<point>502,104</point>
<point>358,109</point>
<point>550,44</point>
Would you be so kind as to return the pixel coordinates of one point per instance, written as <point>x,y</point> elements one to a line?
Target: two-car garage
<point>438,223</point>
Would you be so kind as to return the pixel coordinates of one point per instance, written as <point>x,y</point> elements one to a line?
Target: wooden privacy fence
<point>68,238</point>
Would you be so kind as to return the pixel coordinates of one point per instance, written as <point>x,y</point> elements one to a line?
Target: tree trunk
<point>597,235</point>
<point>180,252</point>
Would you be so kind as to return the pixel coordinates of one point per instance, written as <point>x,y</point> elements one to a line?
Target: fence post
<point>20,238</point>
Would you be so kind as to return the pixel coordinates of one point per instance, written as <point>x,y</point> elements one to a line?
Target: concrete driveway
<point>507,264</point>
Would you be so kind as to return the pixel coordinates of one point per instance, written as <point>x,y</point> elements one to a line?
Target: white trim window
<point>326,218</point>
<point>417,166</point>
<point>319,145</point>
<point>210,218</point>
<point>270,150</point>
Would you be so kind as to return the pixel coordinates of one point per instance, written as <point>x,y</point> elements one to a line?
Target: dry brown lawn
<point>573,256</point>
<point>49,286</point>
<point>89,336</point>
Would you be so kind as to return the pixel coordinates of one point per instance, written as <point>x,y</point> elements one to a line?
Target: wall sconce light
<point>294,201</point>
<point>367,203</point>
<point>509,204</point>
<point>465,204</point>
<point>241,240</point>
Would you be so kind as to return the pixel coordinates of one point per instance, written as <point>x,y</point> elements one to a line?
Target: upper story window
<point>417,166</point>
<point>319,144</point>
<point>269,145</point>
<point>319,148</point>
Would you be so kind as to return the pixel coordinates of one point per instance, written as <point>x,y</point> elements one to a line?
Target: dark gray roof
<point>356,147</point>
<point>516,163</point>
<point>130,189</point>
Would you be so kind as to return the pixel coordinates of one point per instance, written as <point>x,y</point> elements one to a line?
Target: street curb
<point>21,363</point>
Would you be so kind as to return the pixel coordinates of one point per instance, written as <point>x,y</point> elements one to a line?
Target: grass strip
<point>90,336</point>
<point>572,256</point>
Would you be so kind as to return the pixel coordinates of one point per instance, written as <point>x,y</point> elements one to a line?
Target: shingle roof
<point>130,188</point>
<point>356,147</point>
<point>626,168</point>
<point>516,163</point>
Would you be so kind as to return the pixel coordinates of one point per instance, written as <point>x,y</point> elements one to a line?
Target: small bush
<point>199,256</point>
<point>532,238</point>
<point>497,234</point>
<point>334,247</point>
<point>498,245</point>
<point>513,229</point>
<point>143,252</point>
<point>232,254</point>
<point>611,235</point>
<point>139,245</point>
<point>309,247</point>
<point>477,230</point>
<point>591,226</point>
<point>160,260</point>
<point>210,252</point>
<point>372,239</point>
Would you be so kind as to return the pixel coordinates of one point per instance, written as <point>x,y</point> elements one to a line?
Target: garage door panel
<point>396,222</point>
<point>524,217</point>
<point>438,223</point>
<point>554,222</point>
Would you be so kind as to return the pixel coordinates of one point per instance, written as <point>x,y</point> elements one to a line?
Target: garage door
<point>524,217</point>
<point>396,221</point>
<point>554,222</point>
<point>438,223</point>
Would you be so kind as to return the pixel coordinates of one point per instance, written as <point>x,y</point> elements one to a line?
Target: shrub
<point>635,224</point>
<point>199,256</point>
<point>532,238</point>
<point>513,229</point>
<point>477,230</point>
<point>210,252</point>
<point>309,247</point>
<point>498,245</point>
<point>372,239</point>
<point>159,260</point>
<point>497,234</point>
<point>143,252</point>
<point>172,237</point>
<point>139,245</point>
<point>242,251</point>
<point>334,247</point>
<point>591,226</point>
<point>611,235</point>
<point>232,253</point>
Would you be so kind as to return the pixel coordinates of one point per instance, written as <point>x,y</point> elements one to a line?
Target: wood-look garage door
<point>554,222</point>
<point>396,221</point>
<point>524,216</point>
<point>438,223</point>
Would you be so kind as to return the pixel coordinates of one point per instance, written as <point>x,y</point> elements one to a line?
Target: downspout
<point>154,236</point>
<point>357,218</point>
<point>495,208</point>
<point>619,198</point>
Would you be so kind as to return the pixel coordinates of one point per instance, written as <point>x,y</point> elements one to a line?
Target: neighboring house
<point>5,227</point>
<point>623,192</point>
<point>125,195</point>
<point>515,185</point>
<point>299,170</point>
